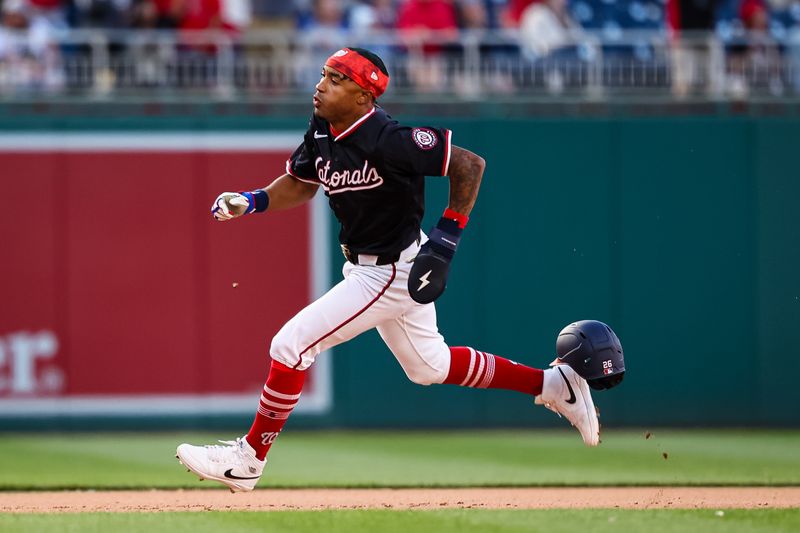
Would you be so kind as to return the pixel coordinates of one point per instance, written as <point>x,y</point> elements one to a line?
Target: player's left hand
<point>230,205</point>
<point>428,277</point>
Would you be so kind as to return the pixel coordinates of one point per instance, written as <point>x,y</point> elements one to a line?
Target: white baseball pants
<point>369,297</point>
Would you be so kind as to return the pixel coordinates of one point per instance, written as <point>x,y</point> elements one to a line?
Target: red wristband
<point>458,217</point>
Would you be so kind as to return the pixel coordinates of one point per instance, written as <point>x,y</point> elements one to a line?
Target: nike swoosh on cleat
<point>571,398</point>
<point>229,475</point>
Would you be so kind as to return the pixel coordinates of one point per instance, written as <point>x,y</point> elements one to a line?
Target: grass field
<point>416,459</point>
<point>450,521</point>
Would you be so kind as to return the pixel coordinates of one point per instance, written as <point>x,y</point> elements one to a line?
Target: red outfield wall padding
<point>115,279</point>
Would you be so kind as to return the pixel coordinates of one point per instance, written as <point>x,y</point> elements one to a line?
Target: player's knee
<point>425,375</point>
<point>281,350</point>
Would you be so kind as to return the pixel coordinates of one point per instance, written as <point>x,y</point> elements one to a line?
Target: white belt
<point>405,256</point>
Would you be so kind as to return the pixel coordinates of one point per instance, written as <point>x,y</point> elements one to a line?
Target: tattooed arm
<point>428,275</point>
<point>466,171</point>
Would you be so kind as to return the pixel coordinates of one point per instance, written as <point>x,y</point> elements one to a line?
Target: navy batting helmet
<point>593,350</point>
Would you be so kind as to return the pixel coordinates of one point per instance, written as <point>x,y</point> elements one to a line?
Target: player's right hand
<point>229,205</point>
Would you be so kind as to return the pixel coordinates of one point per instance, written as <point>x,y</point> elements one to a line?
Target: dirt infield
<point>481,498</point>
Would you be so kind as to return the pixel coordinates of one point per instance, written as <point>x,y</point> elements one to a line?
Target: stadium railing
<point>474,65</point>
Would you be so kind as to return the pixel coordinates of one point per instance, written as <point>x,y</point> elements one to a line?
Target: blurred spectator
<point>323,28</point>
<point>428,18</point>
<point>144,14</point>
<point>198,14</point>
<point>323,31</point>
<point>547,26</point>
<point>156,14</point>
<point>755,58</point>
<point>110,14</point>
<point>99,13</point>
<point>691,15</point>
<point>511,16</point>
<point>151,59</point>
<point>272,13</point>
<point>237,14</point>
<point>696,57</point>
<point>550,38</point>
<point>50,12</point>
<point>368,19</point>
<point>231,15</point>
<point>494,12</point>
<point>472,14</point>
<point>754,15</point>
<point>195,15</point>
<point>326,16</point>
<point>29,54</point>
<point>151,63</point>
<point>41,15</point>
<point>425,26</point>
<point>372,15</point>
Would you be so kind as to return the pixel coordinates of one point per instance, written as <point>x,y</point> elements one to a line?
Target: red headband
<point>359,69</point>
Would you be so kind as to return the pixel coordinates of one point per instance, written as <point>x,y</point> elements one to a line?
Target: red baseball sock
<point>280,395</point>
<point>471,368</point>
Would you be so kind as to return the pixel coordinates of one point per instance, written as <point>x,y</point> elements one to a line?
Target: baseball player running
<point>372,169</point>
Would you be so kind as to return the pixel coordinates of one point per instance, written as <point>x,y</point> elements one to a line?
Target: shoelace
<point>216,452</point>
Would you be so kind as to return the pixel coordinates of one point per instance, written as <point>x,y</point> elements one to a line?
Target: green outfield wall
<point>679,232</point>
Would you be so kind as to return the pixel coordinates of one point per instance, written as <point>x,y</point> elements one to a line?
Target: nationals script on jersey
<point>374,176</point>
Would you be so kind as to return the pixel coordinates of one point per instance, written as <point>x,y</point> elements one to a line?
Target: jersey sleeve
<point>419,151</point>
<point>301,163</point>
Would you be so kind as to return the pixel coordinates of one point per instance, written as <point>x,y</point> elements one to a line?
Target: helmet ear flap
<point>594,351</point>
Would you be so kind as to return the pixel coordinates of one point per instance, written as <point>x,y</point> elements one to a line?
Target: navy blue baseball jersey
<point>374,176</point>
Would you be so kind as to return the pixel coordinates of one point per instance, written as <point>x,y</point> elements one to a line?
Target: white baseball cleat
<point>566,393</point>
<point>233,464</point>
